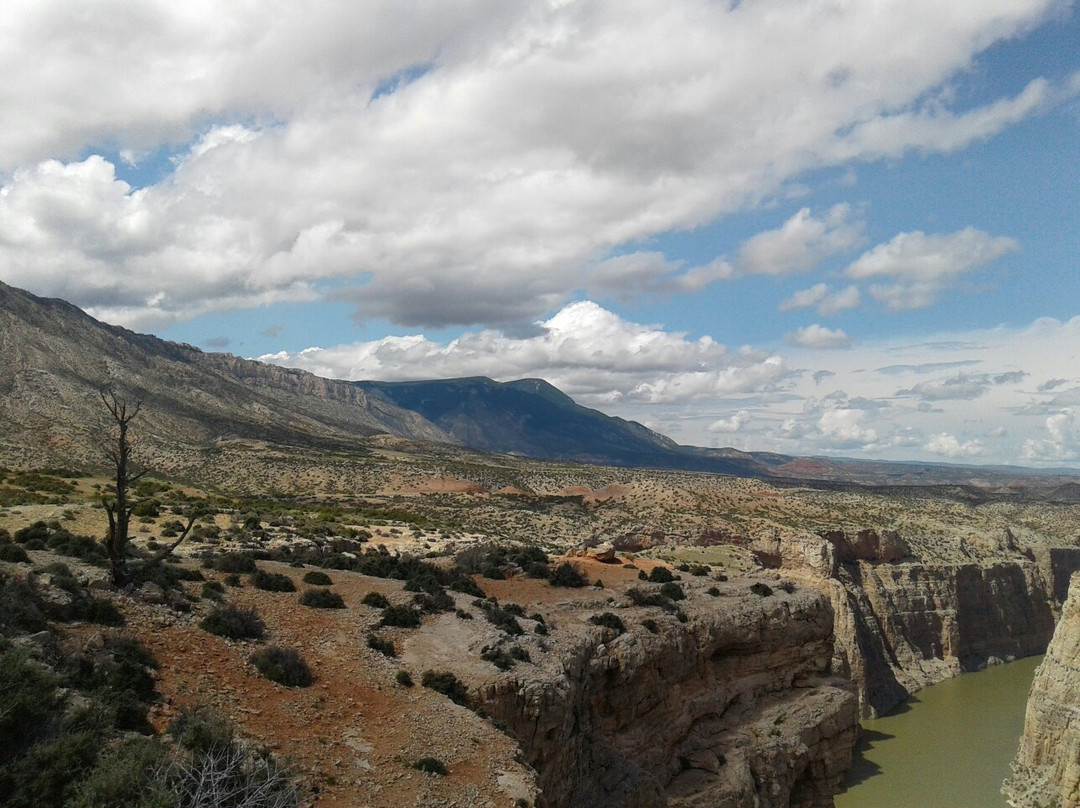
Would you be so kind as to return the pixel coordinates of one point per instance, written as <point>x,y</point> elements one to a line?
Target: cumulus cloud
<point>475,163</point>
<point>846,429</point>
<point>818,336</point>
<point>1063,442</point>
<point>917,267</point>
<point>949,446</point>
<point>583,349</point>
<point>735,423</point>
<point>801,243</point>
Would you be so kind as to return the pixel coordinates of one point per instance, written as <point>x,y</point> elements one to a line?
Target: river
<point>949,747</point>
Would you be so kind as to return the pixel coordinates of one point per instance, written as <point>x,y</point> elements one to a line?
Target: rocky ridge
<point>1046,770</point>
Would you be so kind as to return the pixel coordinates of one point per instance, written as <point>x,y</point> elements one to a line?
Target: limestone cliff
<point>735,707</point>
<point>1046,771</point>
<point>903,626</point>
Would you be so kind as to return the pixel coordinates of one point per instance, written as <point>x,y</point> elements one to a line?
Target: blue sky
<point>806,227</point>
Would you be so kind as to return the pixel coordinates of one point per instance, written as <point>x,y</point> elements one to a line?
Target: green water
<point>950,747</point>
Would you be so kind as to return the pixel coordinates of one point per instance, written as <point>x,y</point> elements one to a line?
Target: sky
<point>817,227</point>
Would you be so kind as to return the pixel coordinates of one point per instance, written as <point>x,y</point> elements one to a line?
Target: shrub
<point>446,683</point>
<point>200,729</point>
<point>500,617</point>
<point>431,766</point>
<point>316,578</point>
<point>608,620</point>
<point>499,658</point>
<point>660,575</point>
<point>566,574</point>
<point>101,611</point>
<point>376,600</point>
<point>434,604</point>
<point>235,623</point>
<point>234,563</point>
<point>232,579</point>
<point>761,589</point>
<point>282,665</point>
<point>403,678</point>
<point>642,597</point>
<point>384,647</point>
<point>322,599</point>
<point>787,586</point>
<point>213,590</point>
<point>712,590</point>
<point>14,554</point>
<point>400,616</point>
<point>272,581</point>
<point>650,625</point>
<point>672,591</point>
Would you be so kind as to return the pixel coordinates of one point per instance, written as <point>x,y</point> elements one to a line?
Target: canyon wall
<point>1046,771</point>
<point>905,620</point>
<point>734,707</point>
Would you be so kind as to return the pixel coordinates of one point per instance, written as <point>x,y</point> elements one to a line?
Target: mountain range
<point>56,359</point>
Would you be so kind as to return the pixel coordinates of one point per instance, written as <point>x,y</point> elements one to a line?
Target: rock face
<point>733,708</point>
<point>1046,771</point>
<point>901,627</point>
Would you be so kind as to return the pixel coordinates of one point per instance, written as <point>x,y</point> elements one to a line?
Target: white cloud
<point>584,350</point>
<point>919,267</point>
<point>470,163</point>
<point>801,243</point>
<point>827,303</point>
<point>1063,443</point>
<point>817,336</point>
<point>735,423</point>
<point>844,428</point>
<point>950,446</point>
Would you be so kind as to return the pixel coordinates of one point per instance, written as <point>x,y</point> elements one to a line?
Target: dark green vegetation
<point>316,578</point>
<point>609,620</point>
<point>234,623</point>
<point>446,683</point>
<point>566,574</point>
<point>74,729</point>
<point>431,766</point>
<point>322,599</point>
<point>272,581</point>
<point>282,665</point>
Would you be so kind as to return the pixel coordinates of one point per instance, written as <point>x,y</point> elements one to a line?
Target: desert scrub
<point>316,578</point>
<point>282,665</point>
<point>376,600</point>
<point>660,575</point>
<point>566,574</point>
<point>400,617</point>
<point>672,591</point>
<point>384,647</point>
<point>446,683</point>
<point>234,563</point>
<point>272,581</point>
<point>761,590</point>
<point>212,590</point>
<point>403,678</point>
<point>650,625</point>
<point>234,623</point>
<point>431,766</point>
<point>321,599</point>
<point>499,617</point>
<point>13,553</point>
<point>608,620</point>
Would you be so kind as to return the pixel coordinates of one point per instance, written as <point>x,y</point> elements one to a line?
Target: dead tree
<point>119,509</point>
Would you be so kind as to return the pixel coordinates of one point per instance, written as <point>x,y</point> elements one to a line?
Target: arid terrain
<point>355,733</point>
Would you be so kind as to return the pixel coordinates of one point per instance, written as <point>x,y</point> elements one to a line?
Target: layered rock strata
<point>733,708</point>
<point>1046,771</point>
<point>900,627</point>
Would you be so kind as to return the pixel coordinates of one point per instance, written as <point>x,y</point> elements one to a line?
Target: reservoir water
<point>949,747</point>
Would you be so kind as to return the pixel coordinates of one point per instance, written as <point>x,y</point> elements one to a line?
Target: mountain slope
<point>533,418</point>
<point>55,359</point>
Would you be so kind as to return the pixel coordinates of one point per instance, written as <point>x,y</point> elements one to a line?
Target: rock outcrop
<point>903,626</point>
<point>735,707</point>
<point>1046,771</point>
